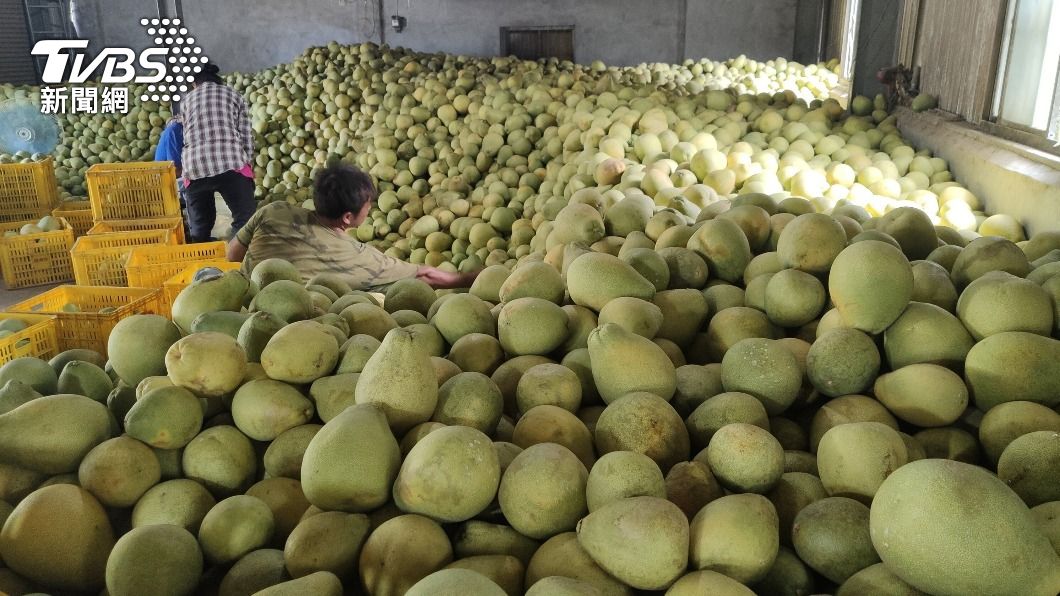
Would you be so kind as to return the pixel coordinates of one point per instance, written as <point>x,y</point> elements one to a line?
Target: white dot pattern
<point>171,35</point>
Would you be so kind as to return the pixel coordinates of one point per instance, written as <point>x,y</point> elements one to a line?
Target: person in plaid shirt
<point>218,151</point>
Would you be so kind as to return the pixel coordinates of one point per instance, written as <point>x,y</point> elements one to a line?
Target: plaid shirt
<point>217,132</point>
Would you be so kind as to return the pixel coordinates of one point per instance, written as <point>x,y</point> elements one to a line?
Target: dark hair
<point>341,189</point>
<point>210,74</point>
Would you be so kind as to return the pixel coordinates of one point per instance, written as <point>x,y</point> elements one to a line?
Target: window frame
<point>1047,139</point>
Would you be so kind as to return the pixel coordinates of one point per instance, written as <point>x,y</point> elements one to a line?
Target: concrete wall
<point>617,32</point>
<point>120,22</point>
<point>249,35</point>
<point>273,32</point>
<point>761,29</point>
<point>1007,177</point>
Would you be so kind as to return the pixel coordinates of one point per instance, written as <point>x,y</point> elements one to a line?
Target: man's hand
<point>444,280</point>
<point>235,251</point>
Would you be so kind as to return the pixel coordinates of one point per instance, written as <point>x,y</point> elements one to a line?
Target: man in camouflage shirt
<point>316,242</point>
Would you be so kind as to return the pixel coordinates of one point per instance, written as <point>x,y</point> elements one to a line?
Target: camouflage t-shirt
<point>284,231</point>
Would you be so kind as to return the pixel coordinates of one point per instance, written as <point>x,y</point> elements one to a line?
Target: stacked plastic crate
<point>137,221</point>
<point>28,257</point>
<point>133,204</point>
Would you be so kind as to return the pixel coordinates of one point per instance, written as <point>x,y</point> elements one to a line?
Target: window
<point>48,19</point>
<point>533,43</point>
<point>1028,97</point>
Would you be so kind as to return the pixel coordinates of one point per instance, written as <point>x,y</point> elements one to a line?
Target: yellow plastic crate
<point>36,259</point>
<point>178,282</point>
<point>27,190</point>
<point>99,259</point>
<point>136,190</point>
<point>77,213</point>
<point>39,339</point>
<point>173,224</point>
<point>87,327</point>
<point>151,266</point>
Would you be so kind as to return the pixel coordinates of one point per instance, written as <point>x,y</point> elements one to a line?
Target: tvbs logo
<point>119,65</point>
<point>167,68</point>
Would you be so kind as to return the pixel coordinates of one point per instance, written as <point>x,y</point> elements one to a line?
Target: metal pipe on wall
<point>682,31</point>
<point>164,11</point>
<point>824,9</point>
<point>382,22</point>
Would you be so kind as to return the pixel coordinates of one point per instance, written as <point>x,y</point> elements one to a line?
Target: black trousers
<point>238,193</point>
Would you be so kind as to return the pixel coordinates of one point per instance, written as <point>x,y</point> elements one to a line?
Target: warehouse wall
<point>617,32</point>
<point>16,64</point>
<point>253,34</point>
<point>761,29</point>
<point>247,35</point>
<point>120,26</point>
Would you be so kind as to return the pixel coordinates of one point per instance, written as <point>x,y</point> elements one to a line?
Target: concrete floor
<point>222,230</point>
<point>9,297</point>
